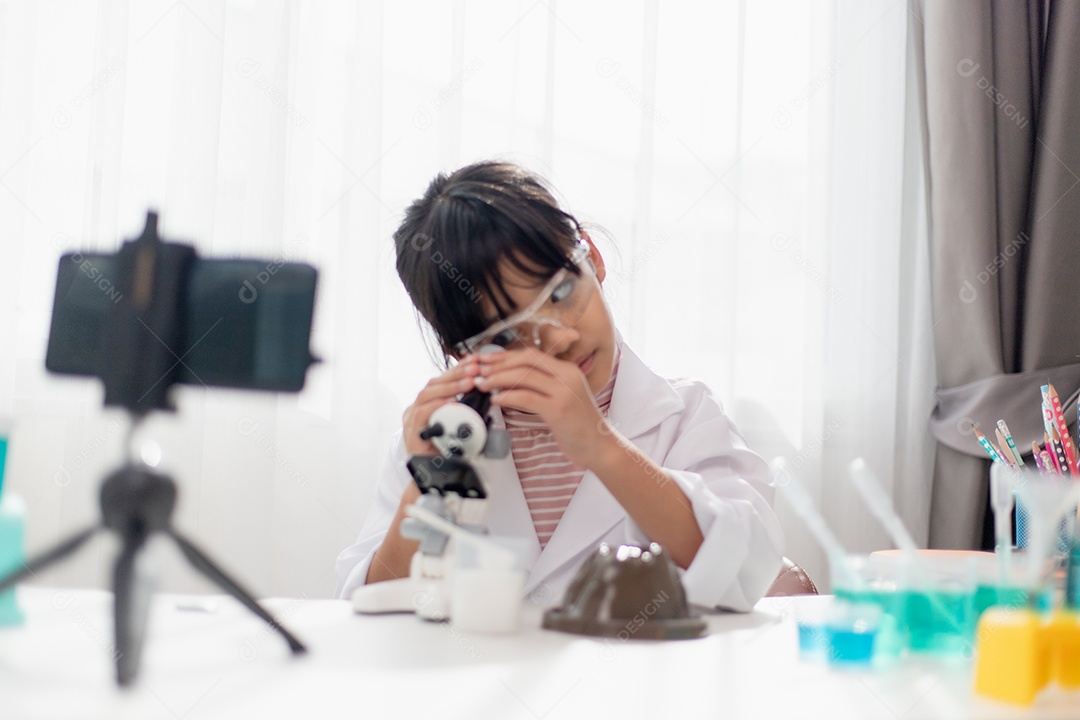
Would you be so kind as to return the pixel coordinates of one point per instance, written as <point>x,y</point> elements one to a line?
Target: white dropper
<point>866,483</point>
<point>1001,500</point>
<point>804,507</point>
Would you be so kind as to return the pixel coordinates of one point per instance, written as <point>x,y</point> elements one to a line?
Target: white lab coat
<point>681,427</point>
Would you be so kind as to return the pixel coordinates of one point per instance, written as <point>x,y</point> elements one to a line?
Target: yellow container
<point>1012,664</point>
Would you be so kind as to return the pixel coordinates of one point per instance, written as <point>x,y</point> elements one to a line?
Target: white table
<point>199,665</point>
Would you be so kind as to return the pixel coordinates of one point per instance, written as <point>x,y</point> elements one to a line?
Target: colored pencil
<point>1059,453</point>
<point>1011,443</point>
<point>1003,449</point>
<point>987,446</point>
<point>1063,431</point>
<point>1049,449</point>
<point>1047,410</point>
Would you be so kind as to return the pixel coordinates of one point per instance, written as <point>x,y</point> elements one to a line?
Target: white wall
<point>747,213</point>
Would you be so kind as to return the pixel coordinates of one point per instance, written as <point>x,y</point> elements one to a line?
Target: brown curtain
<point>1000,86</point>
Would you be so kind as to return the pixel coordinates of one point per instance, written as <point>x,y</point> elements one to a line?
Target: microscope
<point>448,520</point>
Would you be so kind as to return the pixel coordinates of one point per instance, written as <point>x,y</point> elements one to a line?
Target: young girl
<point>602,448</point>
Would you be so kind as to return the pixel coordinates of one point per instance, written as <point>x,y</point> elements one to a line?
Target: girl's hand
<point>438,392</point>
<point>533,381</point>
<point>557,391</point>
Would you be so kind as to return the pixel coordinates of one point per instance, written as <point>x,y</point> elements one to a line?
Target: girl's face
<point>571,321</point>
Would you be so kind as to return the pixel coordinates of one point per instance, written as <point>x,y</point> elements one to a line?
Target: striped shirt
<point>547,477</point>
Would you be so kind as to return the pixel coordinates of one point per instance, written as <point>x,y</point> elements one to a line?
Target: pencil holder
<point>1021,529</point>
<point>1066,529</point>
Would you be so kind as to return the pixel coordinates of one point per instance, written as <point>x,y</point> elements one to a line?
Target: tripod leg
<point>58,552</point>
<point>132,601</point>
<point>204,565</point>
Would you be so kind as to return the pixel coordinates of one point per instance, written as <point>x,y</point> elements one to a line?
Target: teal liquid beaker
<point>12,533</point>
<point>939,607</point>
<point>867,580</point>
<point>1012,591</point>
<point>927,600</point>
<point>851,633</point>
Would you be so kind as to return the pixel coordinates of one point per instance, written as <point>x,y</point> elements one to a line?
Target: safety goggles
<point>560,304</point>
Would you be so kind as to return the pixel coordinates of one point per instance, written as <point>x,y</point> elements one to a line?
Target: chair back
<point>792,580</point>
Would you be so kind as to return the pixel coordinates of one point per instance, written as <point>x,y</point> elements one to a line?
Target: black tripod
<point>135,502</point>
<point>137,344</point>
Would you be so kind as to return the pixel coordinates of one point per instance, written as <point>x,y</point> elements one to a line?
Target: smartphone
<point>245,323</point>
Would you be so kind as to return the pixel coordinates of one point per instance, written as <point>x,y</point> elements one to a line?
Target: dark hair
<point>452,240</point>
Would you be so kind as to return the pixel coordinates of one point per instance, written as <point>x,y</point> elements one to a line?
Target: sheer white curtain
<point>747,158</point>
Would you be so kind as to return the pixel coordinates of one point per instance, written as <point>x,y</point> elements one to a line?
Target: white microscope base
<point>389,596</point>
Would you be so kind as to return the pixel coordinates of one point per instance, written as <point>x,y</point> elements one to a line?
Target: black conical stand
<point>135,502</point>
